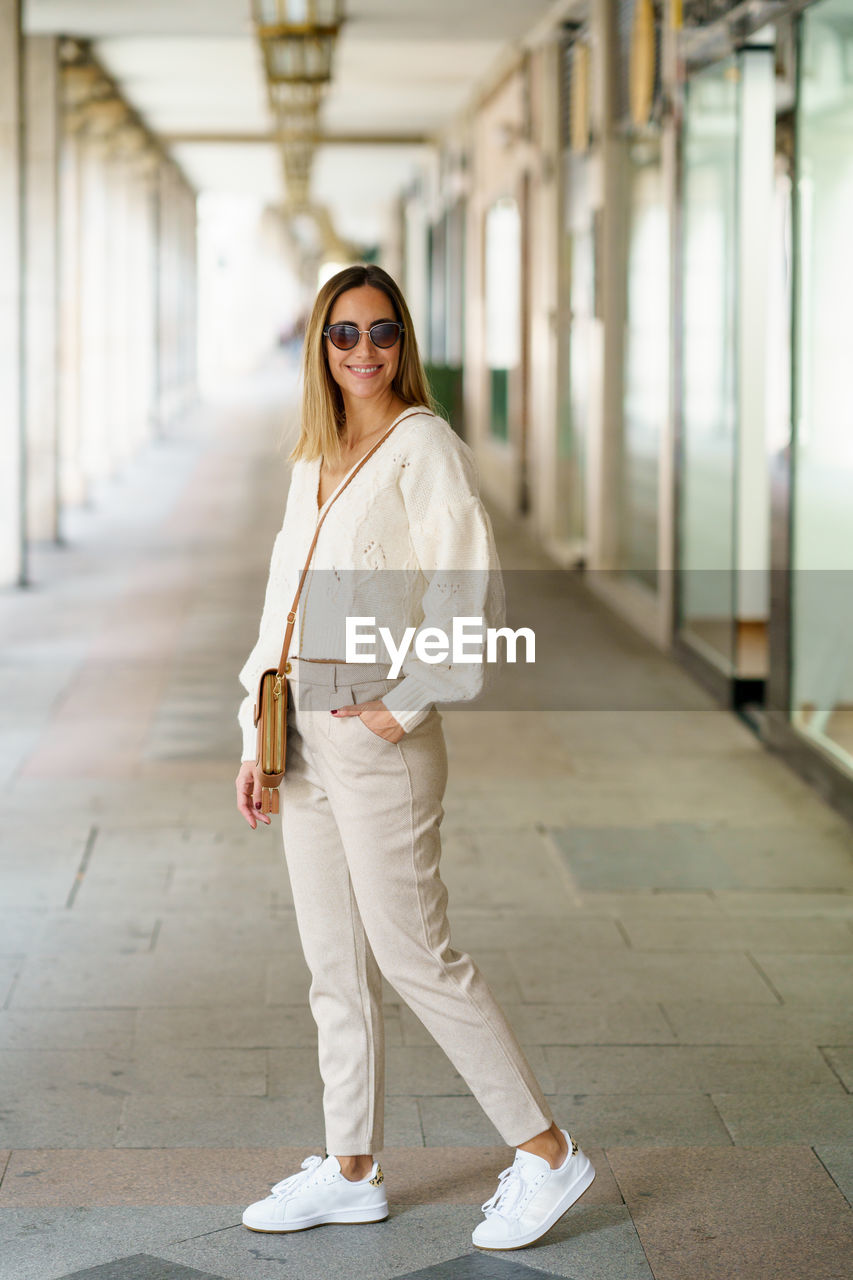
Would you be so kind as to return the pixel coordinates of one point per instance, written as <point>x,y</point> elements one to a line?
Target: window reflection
<point>709,405</point>
<point>822,622</point>
<point>646,359</point>
<point>503,306</point>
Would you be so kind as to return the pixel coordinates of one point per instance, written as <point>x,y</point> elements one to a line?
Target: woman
<point>366,764</point>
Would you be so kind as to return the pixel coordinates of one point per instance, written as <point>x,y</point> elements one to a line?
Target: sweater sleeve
<point>454,545</point>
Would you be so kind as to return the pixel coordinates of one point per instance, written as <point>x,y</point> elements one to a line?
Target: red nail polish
<point>335,711</point>
<point>257,804</point>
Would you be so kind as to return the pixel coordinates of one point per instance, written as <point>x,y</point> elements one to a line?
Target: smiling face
<point>366,372</point>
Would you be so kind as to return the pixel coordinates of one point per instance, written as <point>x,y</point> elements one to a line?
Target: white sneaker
<point>320,1194</point>
<point>531,1196</point>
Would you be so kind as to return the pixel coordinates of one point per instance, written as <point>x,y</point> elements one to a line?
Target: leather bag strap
<point>291,617</point>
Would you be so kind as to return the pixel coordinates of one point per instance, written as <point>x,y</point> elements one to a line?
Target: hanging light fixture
<point>298,38</point>
<point>298,161</point>
<point>295,99</point>
<point>296,108</point>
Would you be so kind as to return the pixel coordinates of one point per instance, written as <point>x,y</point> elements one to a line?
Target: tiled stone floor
<point>665,912</point>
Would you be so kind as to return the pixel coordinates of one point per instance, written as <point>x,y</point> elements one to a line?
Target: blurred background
<point>623,227</point>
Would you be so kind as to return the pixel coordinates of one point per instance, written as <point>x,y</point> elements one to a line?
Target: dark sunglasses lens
<point>385,335</point>
<point>343,336</point>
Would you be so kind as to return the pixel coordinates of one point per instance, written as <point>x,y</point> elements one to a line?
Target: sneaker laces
<point>289,1186</point>
<point>511,1187</point>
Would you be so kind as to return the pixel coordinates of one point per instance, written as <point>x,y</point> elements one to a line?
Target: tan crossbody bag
<point>270,713</point>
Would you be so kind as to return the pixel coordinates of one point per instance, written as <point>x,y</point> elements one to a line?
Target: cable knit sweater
<point>408,542</point>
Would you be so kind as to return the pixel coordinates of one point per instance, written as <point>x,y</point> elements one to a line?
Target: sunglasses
<point>346,336</point>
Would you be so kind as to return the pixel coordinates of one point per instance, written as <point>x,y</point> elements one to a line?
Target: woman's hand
<point>249,794</point>
<point>376,716</point>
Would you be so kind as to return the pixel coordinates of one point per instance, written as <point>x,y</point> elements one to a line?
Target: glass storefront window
<point>575,339</point>
<point>503,307</point>
<point>437,275</point>
<point>646,359</point>
<point>456,284</point>
<point>822,519</point>
<point>446,275</point>
<point>709,407</point>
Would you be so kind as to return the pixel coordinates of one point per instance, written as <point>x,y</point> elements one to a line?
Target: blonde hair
<point>323,416</point>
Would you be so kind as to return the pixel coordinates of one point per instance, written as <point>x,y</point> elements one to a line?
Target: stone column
<point>163,282</point>
<point>142,326</point>
<point>174,284</point>
<point>72,482</point>
<point>117,300</point>
<point>190,297</point>
<point>12,450</point>
<point>94,451</point>
<point>103,287</point>
<point>80,84</point>
<point>41,284</point>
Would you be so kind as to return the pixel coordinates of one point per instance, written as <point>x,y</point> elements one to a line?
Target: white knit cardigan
<point>413,507</point>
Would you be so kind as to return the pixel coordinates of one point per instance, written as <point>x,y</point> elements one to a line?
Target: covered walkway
<point>663,908</point>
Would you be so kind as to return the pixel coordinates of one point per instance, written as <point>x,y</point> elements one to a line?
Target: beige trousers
<point>360,823</point>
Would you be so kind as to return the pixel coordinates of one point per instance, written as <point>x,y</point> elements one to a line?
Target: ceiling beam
<point>320,139</point>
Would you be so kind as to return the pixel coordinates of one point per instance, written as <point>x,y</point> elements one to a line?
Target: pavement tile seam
<point>761,973</point>
<point>825,1050</point>
<point>626,937</point>
<point>848,1196</point>
<point>661,1006</point>
<point>712,1098</point>
<point>13,986</point>
<point>639,1238</point>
